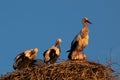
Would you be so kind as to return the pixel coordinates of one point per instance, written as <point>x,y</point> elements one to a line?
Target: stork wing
<point>46,56</point>
<point>74,46</point>
<point>53,56</point>
<point>75,41</point>
<point>52,53</point>
<point>18,59</point>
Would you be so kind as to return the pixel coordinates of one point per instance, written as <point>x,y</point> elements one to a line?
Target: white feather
<point>47,58</point>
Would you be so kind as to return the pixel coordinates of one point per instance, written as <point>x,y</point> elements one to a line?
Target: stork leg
<point>83,51</point>
<point>83,55</point>
<point>78,54</point>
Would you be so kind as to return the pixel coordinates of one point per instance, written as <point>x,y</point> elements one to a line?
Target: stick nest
<point>67,70</point>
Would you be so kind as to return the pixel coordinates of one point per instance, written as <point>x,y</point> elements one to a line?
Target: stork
<point>52,54</point>
<point>25,58</point>
<point>80,41</point>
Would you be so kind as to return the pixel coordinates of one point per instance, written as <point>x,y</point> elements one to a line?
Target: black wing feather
<point>53,56</point>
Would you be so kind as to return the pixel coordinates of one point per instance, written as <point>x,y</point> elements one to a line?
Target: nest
<point>67,70</point>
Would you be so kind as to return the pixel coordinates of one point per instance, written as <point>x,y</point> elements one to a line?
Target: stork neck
<point>85,24</point>
<point>57,45</point>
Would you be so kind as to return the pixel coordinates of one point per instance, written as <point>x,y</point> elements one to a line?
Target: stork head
<point>34,51</point>
<point>58,41</point>
<point>85,20</point>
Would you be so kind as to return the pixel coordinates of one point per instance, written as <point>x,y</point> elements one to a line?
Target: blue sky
<point>29,24</point>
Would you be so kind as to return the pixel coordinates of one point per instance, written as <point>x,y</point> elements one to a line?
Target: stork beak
<point>35,50</point>
<point>32,52</point>
<point>88,22</point>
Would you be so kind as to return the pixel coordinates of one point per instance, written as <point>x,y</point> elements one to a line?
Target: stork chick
<point>51,55</point>
<point>23,59</point>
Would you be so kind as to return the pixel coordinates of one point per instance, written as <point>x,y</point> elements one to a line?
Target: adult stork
<point>80,42</point>
<point>51,55</point>
<point>25,58</point>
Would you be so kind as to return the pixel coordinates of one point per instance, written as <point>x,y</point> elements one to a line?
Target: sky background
<point>27,24</point>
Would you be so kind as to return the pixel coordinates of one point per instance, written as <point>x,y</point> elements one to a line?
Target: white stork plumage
<point>80,41</point>
<point>25,58</point>
<point>52,54</point>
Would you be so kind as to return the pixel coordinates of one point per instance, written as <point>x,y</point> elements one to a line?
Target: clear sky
<point>26,24</point>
